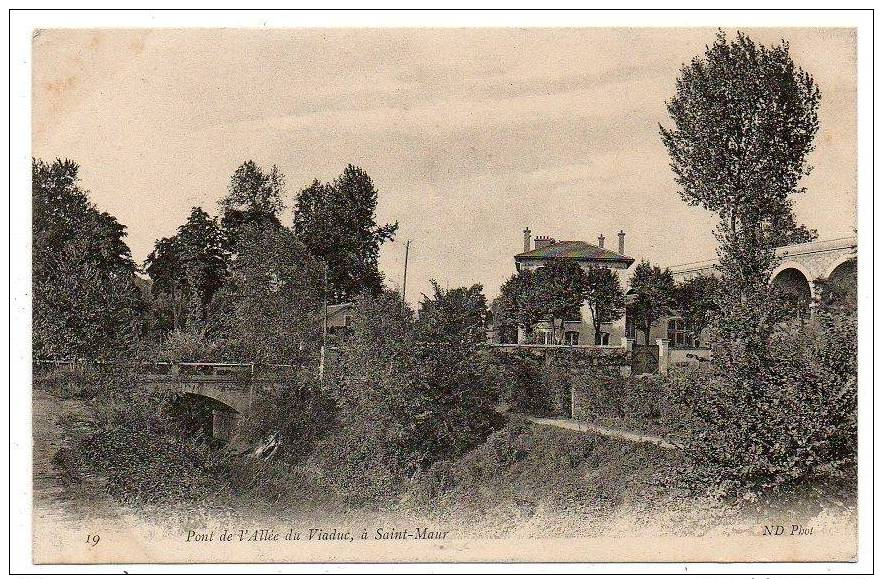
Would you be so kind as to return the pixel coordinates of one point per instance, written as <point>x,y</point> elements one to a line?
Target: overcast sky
<point>469,135</point>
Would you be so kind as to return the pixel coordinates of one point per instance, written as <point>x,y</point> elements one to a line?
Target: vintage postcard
<point>460,294</point>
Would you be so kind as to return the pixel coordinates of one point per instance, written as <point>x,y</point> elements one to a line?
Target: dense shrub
<point>362,461</point>
<point>784,424</point>
<point>516,380</point>
<point>410,392</point>
<point>648,403</point>
<point>78,382</point>
<point>295,417</point>
<point>188,346</point>
<point>139,452</point>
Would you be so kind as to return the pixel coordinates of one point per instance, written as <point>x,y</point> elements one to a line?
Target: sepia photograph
<point>444,294</point>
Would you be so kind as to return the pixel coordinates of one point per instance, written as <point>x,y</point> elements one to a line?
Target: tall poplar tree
<point>745,117</point>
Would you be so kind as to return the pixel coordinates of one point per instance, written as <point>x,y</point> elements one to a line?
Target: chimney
<point>526,239</point>
<point>621,242</point>
<point>542,241</point>
<point>601,241</point>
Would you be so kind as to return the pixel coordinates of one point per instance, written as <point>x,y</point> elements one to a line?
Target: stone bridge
<point>228,389</point>
<point>798,267</point>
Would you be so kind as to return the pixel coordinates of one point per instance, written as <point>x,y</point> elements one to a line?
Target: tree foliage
<point>254,197</point>
<point>271,305</point>
<point>187,270</point>
<point>412,391</point>
<point>510,310</point>
<point>778,402</point>
<point>336,222</point>
<point>652,291</point>
<point>556,293</point>
<point>453,315</point>
<point>745,117</point>
<point>604,297</point>
<point>695,299</point>
<point>85,302</point>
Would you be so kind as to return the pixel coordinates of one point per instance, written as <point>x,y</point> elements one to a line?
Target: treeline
<point>410,388</point>
<point>236,285</point>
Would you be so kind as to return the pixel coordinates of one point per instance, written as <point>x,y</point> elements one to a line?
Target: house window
<point>346,321</point>
<point>605,339</point>
<point>678,334</point>
<point>629,327</point>
<point>545,337</point>
<point>571,338</point>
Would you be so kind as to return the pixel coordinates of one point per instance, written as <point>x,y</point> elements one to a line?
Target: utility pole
<point>324,325</point>
<point>405,279</point>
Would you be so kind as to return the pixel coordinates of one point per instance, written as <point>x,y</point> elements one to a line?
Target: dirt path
<point>579,426</point>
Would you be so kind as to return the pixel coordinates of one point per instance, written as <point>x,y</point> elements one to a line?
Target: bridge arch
<point>846,265</point>
<point>794,280</point>
<point>841,288</point>
<point>225,417</point>
<point>237,400</point>
<point>795,265</point>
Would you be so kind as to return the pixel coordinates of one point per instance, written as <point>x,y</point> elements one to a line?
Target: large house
<point>798,269</point>
<point>587,255</point>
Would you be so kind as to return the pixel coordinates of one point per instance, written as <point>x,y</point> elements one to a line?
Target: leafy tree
<point>254,197</point>
<point>510,309</point>
<point>272,301</point>
<point>62,211</point>
<point>695,300</point>
<point>745,117</point>
<point>189,268</point>
<point>556,293</point>
<point>85,301</point>
<point>653,291</point>
<point>82,311</point>
<point>455,315</point>
<point>371,451</point>
<point>336,222</point>
<point>455,408</point>
<point>604,297</point>
<point>168,286</point>
<point>412,392</point>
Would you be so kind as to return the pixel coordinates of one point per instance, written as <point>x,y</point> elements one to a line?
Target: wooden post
<point>405,278</point>
<point>251,387</point>
<point>324,326</point>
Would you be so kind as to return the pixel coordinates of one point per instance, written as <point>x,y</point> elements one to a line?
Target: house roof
<point>578,250</point>
<point>337,308</point>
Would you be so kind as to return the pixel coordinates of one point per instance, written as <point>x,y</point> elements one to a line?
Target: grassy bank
<point>523,480</point>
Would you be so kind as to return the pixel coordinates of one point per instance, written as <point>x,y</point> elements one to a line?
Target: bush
<point>360,463</point>
<point>648,403</point>
<point>297,416</point>
<point>138,450</point>
<point>410,393</point>
<point>783,425</point>
<point>189,346</point>
<point>516,380</point>
<point>70,382</point>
